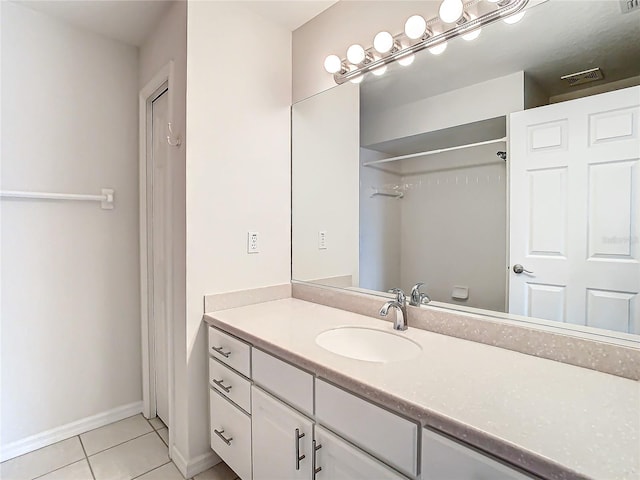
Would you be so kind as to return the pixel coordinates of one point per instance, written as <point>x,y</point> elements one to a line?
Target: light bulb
<point>438,49</point>
<point>355,54</point>
<point>379,71</point>
<point>451,10</point>
<point>474,34</point>
<point>415,27</point>
<point>333,64</point>
<point>406,60</point>
<point>383,42</point>
<point>514,18</point>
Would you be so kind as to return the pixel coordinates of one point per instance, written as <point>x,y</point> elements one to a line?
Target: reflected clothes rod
<point>106,199</point>
<point>433,152</point>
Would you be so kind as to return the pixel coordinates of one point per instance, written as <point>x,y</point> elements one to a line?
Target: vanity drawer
<point>230,434</point>
<point>444,458</point>
<point>387,436</point>
<point>230,384</point>
<point>230,350</point>
<point>291,384</point>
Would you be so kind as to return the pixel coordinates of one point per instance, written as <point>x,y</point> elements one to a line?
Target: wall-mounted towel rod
<point>106,198</point>
<point>433,152</point>
<point>382,193</point>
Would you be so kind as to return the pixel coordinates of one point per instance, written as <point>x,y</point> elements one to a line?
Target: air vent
<point>586,76</point>
<point>627,6</point>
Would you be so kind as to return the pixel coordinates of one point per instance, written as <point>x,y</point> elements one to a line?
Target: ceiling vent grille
<point>586,76</point>
<point>629,5</point>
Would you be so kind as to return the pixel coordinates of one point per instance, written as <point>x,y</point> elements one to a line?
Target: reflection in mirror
<point>483,174</point>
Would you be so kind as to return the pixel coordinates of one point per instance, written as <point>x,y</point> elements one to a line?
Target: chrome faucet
<point>400,305</point>
<point>417,297</point>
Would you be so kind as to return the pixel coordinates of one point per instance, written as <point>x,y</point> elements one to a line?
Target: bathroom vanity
<point>417,405</point>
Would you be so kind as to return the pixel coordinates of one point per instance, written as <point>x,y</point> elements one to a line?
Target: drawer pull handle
<point>221,351</point>
<point>315,469</point>
<point>298,456</point>
<point>220,384</point>
<point>225,440</point>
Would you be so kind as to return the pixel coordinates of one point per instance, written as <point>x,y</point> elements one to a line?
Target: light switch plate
<point>252,242</point>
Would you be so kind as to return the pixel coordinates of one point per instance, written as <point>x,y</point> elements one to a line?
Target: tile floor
<point>133,448</point>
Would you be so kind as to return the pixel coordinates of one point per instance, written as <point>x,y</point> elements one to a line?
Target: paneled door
<point>575,211</point>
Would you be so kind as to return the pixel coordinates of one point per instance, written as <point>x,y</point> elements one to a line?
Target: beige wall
<point>237,174</point>
<point>70,270</point>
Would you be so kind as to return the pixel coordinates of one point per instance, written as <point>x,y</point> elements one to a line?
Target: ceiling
<point>131,21</point>
<point>127,21</point>
<point>555,38</point>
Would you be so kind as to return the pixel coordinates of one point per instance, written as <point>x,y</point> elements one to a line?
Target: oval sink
<point>367,344</point>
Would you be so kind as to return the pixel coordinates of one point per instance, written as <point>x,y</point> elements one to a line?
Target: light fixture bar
<point>505,9</point>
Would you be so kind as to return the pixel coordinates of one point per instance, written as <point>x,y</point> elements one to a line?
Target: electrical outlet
<point>322,240</point>
<point>252,242</point>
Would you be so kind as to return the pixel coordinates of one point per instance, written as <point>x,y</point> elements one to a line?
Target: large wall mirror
<point>483,174</point>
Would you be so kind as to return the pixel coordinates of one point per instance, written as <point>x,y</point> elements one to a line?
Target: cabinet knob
<point>221,351</point>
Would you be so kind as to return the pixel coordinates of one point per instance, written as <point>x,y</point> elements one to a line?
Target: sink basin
<point>368,344</point>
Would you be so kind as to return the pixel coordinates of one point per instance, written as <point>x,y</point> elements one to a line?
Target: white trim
<point>193,467</point>
<point>164,76</point>
<point>63,432</point>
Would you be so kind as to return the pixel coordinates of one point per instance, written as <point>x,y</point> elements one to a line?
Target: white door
<point>281,439</point>
<point>158,230</point>
<point>575,211</point>
<point>340,461</point>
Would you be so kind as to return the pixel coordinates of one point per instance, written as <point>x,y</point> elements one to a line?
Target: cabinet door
<point>444,459</point>
<point>341,461</point>
<point>275,444</point>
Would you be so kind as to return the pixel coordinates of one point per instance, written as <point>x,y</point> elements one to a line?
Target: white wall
<point>325,151</point>
<point>168,42</point>
<point>454,229</point>
<point>238,172</point>
<point>481,101</point>
<point>380,226</point>
<point>70,310</point>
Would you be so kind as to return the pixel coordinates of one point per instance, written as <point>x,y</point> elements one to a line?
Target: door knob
<point>517,268</point>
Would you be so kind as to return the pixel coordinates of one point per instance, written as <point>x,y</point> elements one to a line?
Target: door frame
<point>164,77</point>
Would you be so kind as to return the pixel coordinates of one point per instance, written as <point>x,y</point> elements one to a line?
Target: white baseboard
<point>49,437</point>
<point>196,465</point>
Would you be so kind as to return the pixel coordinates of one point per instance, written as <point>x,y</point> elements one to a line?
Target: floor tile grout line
<point>87,458</point>
<point>154,468</point>
<point>59,468</point>
<point>162,439</point>
<point>118,444</point>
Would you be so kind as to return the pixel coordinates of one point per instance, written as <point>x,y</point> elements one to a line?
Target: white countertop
<point>554,419</point>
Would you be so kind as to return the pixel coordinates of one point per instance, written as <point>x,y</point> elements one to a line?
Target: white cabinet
<point>281,439</point>
<point>231,434</point>
<point>386,435</point>
<point>337,460</point>
<point>444,459</point>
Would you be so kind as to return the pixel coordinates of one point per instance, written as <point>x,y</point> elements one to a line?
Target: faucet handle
<point>401,298</point>
<point>417,297</point>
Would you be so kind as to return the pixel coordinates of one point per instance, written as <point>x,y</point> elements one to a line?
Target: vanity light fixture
<point>356,54</point>
<point>333,64</point>
<point>451,10</point>
<point>514,18</point>
<point>415,27</point>
<point>472,35</point>
<point>418,35</point>
<point>383,42</point>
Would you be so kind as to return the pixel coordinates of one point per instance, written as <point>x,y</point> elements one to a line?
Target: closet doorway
<point>156,247</point>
